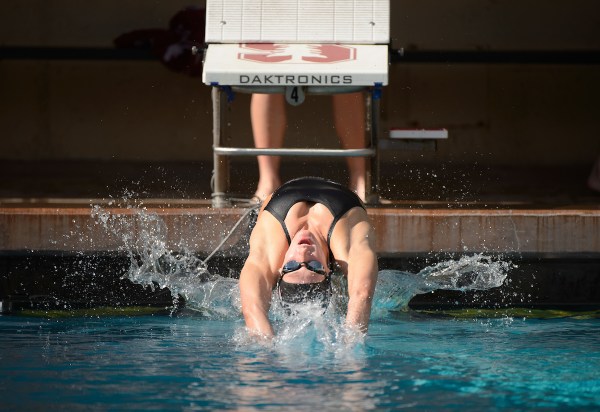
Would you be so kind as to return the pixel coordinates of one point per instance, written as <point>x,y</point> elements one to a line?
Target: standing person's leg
<point>268,115</point>
<point>349,119</point>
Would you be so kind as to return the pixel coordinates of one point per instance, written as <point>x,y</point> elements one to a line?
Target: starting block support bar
<point>220,176</point>
<point>372,183</point>
<point>243,151</point>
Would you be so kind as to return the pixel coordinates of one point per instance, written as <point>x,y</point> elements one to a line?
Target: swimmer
<point>305,227</point>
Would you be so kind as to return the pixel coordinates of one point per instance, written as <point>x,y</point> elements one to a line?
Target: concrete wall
<point>139,110</point>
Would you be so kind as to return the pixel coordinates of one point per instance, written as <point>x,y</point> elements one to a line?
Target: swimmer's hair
<point>292,293</point>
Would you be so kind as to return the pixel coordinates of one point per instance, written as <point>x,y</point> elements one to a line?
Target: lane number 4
<point>294,95</point>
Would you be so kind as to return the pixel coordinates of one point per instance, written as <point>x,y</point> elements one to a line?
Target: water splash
<point>477,272</point>
<point>159,261</point>
<point>144,238</point>
<point>306,331</point>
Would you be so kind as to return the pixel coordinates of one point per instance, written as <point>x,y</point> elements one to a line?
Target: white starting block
<point>298,21</point>
<point>295,47</point>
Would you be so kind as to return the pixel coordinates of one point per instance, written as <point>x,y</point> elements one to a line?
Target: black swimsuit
<point>337,198</point>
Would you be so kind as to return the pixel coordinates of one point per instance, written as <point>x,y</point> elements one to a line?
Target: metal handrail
<point>239,151</point>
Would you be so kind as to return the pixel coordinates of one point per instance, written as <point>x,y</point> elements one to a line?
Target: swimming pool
<point>202,358</point>
<point>194,362</point>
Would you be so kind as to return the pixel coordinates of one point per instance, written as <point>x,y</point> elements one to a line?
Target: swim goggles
<point>313,266</point>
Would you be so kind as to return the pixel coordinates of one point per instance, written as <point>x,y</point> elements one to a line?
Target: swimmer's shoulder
<point>265,203</point>
<point>267,232</point>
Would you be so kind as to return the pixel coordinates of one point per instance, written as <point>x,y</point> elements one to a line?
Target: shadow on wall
<point>174,47</point>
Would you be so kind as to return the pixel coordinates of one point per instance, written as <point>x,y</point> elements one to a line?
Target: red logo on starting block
<point>296,53</point>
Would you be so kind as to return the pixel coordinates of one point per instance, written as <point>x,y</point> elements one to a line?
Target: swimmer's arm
<point>362,276</point>
<point>255,292</point>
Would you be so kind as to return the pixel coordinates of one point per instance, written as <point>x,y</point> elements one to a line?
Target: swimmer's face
<point>305,247</point>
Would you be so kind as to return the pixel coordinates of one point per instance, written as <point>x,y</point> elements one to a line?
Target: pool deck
<point>77,225</point>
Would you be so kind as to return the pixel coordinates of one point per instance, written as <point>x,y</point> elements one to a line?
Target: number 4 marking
<point>294,95</point>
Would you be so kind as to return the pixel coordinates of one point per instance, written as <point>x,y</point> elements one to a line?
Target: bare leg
<point>268,115</point>
<point>349,120</point>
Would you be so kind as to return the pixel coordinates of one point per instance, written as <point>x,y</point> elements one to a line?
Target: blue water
<point>191,362</point>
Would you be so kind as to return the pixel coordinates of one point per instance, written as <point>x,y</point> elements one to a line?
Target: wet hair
<point>293,293</point>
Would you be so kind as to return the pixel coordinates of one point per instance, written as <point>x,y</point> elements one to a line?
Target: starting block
<point>295,48</point>
<point>257,65</point>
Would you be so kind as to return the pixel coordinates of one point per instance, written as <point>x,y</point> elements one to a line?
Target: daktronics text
<point>289,79</point>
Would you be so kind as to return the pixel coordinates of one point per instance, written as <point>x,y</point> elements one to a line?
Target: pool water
<point>193,362</point>
<point>203,358</point>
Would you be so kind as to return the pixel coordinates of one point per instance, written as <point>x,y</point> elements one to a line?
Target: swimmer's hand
<point>257,337</point>
<point>352,335</point>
